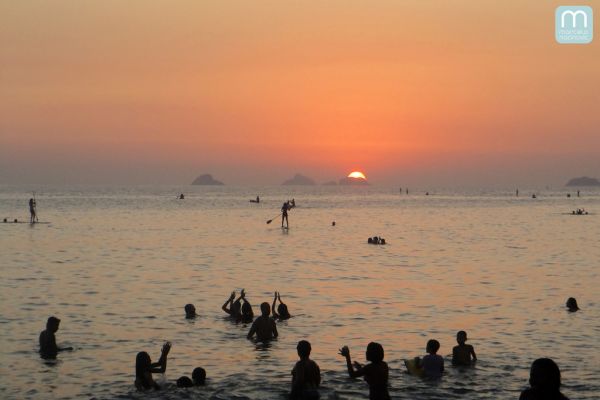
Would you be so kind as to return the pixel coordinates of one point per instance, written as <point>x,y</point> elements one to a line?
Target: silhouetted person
<point>144,368</point>
<point>284,214</point>
<point>517,192</point>
<point>257,199</point>
<point>568,195</point>
<point>578,193</point>
<point>376,373</point>
<point>333,223</point>
<point>48,347</point>
<point>406,190</point>
<point>306,375</point>
<point>282,312</point>
<point>32,211</point>
<point>264,326</point>
<point>190,311</point>
<point>463,354</point>
<point>199,376</point>
<point>181,196</point>
<point>247,313</point>
<point>184,382</point>
<point>234,309</point>
<point>293,203</point>
<point>572,304</point>
<point>544,378</point>
<point>432,363</point>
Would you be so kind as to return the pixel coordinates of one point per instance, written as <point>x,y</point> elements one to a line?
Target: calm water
<point>118,265</point>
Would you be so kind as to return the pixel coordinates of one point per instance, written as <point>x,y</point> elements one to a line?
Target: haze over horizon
<point>412,93</point>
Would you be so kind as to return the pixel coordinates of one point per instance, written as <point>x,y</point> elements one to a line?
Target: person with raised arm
<point>234,309</point>
<point>376,373</point>
<point>282,312</point>
<point>144,368</point>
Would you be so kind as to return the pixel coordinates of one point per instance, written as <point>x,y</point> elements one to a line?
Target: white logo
<point>573,15</point>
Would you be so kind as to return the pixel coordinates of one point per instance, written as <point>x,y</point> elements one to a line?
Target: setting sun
<point>357,174</point>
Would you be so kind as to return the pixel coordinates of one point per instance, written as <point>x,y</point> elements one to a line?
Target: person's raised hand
<point>345,351</point>
<point>166,348</point>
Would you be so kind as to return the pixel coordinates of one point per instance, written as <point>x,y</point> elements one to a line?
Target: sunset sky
<point>410,92</point>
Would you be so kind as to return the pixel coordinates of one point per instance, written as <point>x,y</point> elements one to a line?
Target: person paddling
<point>32,211</point>
<point>284,214</point>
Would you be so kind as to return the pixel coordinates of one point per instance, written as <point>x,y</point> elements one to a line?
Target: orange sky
<point>410,92</point>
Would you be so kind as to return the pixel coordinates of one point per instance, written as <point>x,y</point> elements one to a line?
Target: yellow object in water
<point>413,368</point>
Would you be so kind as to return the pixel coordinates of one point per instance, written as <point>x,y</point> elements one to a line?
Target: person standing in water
<point>32,211</point>
<point>284,214</point>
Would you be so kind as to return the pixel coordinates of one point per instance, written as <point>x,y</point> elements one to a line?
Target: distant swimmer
<point>32,210</point>
<point>284,214</point>
<point>376,373</point>
<point>264,327</point>
<point>544,378</point>
<point>463,354</point>
<point>306,375</point>
<point>181,196</point>
<point>572,304</point>
<point>144,368</point>
<point>234,309</point>
<point>293,203</point>
<point>568,195</point>
<point>190,311</point>
<point>48,347</point>
<point>406,190</point>
<point>517,192</point>
<point>426,193</point>
<point>533,196</point>
<point>578,193</point>
<point>282,312</point>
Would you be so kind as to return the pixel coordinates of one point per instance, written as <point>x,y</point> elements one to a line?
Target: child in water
<point>432,363</point>
<point>463,354</point>
<point>306,375</point>
<point>235,307</point>
<point>48,347</point>
<point>282,312</point>
<point>376,373</point>
<point>544,378</point>
<point>190,311</point>
<point>144,367</point>
<point>198,378</point>
<point>572,304</point>
<point>264,326</point>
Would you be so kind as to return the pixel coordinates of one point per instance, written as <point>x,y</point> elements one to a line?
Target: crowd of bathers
<point>544,380</point>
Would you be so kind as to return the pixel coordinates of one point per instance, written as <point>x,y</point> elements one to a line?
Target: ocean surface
<point>117,265</point>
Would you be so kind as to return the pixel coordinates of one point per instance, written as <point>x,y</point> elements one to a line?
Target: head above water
<point>246,309</point>
<point>461,337</point>
<point>545,375</point>
<point>199,376</point>
<point>374,352</point>
<point>265,309</point>
<point>303,348</point>
<point>52,324</point>
<point>190,311</point>
<point>282,310</point>
<point>142,363</point>
<point>184,382</point>
<point>572,304</point>
<point>432,346</point>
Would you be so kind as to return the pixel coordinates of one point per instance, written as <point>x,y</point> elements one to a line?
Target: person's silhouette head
<point>185,382</point>
<point>304,349</point>
<point>52,324</point>
<point>236,308</point>
<point>265,309</point>
<point>461,337</point>
<point>142,363</point>
<point>246,309</point>
<point>545,375</point>
<point>282,310</point>
<point>190,311</point>
<point>572,304</point>
<point>374,352</point>
<point>432,346</point>
<point>199,376</point>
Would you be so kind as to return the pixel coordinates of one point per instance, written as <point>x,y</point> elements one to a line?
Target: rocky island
<point>206,179</point>
<point>583,181</point>
<point>298,180</point>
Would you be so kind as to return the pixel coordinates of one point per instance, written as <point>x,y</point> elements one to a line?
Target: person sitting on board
<point>32,212</point>
<point>284,214</point>
<point>572,304</point>
<point>306,375</point>
<point>48,347</point>
<point>544,378</point>
<point>376,373</point>
<point>247,313</point>
<point>432,363</point>
<point>144,368</point>
<point>282,312</point>
<point>264,326</point>
<point>257,199</point>
<point>463,354</point>
<point>234,309</point>
<point>190,311</point>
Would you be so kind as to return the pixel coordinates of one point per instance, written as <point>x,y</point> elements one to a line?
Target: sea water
<point>117,265</point>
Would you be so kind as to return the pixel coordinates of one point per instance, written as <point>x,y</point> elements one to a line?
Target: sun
<point>357,175</point>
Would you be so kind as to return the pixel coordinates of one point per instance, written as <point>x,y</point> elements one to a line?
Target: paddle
<point>271,220</point>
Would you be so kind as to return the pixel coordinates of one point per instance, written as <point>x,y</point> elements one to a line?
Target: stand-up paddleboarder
<point>284,214</point>
<point>32,212</point>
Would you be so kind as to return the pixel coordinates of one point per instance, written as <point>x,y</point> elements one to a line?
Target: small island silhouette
<point>583,181</point>
<point>299,179</point>
<point>206,179</point>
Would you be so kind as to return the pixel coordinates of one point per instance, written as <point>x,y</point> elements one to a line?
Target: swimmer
<point>432,363</point>
<point>48,347</point>
<point>463,354</point>
<point>306,375</point>
<point>282,312</point>
<point>572,304</point>
<point>234,309</point>
<point>544,378</point>
<point>198,378</point>
<point>264,326</point>
<point>144,368</point>
<point>376,373</point>
<point>190,311</point>
<point>247,313</point>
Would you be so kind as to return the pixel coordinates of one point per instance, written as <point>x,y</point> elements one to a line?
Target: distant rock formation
<point>583,181</point>
<point>330,183</point>
<point>354,181</point>
<point>299,180</point>
<point>206,179</point>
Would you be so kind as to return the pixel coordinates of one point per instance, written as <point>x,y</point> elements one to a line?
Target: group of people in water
<point>545,378</point>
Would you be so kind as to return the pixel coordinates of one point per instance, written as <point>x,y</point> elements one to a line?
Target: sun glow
<point>357,174</point>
